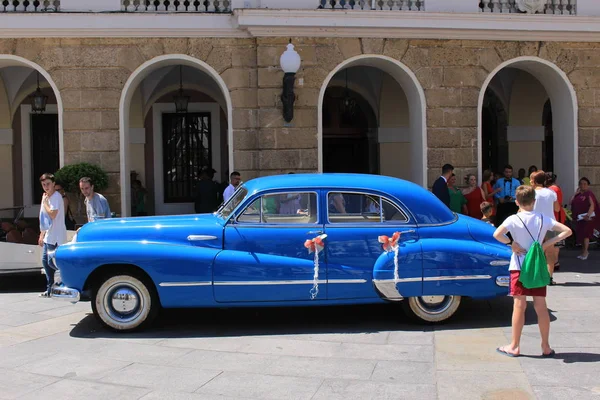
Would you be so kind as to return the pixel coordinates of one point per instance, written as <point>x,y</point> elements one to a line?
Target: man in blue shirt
<point>506,196</point>
<point>96,205</point>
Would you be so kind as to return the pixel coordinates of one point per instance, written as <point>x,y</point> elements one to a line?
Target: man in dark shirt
<point>440,186</point>
<point>206,197</point>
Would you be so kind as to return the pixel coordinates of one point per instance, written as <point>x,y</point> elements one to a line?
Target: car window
<point>361,208</point>
<point>227,208</point>
<point>282,208</point>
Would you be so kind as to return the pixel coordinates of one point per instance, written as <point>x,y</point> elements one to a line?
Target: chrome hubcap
<point>123,302</point>
<point>434,304</point>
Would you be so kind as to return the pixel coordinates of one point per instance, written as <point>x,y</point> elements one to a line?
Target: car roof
<point>427,208</point>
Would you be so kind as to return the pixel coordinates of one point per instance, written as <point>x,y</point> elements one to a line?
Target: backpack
<point>534,270</point>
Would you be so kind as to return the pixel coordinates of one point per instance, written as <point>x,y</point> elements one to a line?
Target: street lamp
<point>290,64</point>
<point>181,101</point>
<point>39,99</point>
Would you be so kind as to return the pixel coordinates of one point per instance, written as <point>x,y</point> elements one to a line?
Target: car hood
<point>165,229</point>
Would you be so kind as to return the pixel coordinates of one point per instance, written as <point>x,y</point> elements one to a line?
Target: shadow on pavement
<point>25,283</point>
<point>570,263</point>
<point>581,284</point>
<point>572,358</point>
<point>190,323</point>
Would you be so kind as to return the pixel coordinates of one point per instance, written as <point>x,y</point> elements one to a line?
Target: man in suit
<point>440,186</point>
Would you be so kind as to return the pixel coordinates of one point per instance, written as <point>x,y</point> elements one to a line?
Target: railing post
<point>90,5</point>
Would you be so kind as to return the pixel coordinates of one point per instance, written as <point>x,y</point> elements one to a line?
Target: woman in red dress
<point>488,188</point>
<point>584,206</point>
<point>560,215</point>
<point>475,196</point>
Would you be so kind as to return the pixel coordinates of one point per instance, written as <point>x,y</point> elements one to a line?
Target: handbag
<point>70,220</point>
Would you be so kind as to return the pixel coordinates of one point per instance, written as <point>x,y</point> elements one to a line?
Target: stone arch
<point>564,109</point>
<point>124,109</point>
<point>9,60</point>
<point>416,101</point>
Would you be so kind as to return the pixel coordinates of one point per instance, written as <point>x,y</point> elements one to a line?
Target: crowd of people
<point>494,200</point>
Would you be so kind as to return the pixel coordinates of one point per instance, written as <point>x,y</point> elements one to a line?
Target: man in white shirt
<point>546,203</point>
<point>53,231</point>
<point>96,205</point>
<point>234,181</point>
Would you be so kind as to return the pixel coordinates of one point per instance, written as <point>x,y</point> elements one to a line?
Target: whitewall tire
<point>125,302</point>
<point>432,308</point>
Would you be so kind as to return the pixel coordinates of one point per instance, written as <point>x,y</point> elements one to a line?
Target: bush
<point>69,176</point>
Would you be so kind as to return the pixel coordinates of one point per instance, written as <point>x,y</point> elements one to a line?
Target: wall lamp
<point>290,64</point>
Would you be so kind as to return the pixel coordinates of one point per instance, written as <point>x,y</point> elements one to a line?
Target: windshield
<point>227,208</point>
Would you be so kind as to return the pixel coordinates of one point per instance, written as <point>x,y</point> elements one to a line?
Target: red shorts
<point>517,289</point>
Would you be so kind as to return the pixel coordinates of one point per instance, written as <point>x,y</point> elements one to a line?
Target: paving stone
<point>17,318</point>
<point>405,372</point>
<point>225,361</point>
<point>143,353</point>
<point>237,384</point>
<point>350,337</point>
<point>69,389</point>
<point>161,377</point>
<point>386,352</point>
<point>170,395</point>
<point>410,337</point>
<point>14,384</point>
<point>476,385</point>
<point>360,390</point>
<point>321,367</point>
<point>566,393</point>
<point>85,366</point>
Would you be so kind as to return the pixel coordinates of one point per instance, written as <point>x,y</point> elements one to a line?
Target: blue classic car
<point>299,239</point>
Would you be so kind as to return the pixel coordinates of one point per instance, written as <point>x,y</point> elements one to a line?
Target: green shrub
<point>69,176</point>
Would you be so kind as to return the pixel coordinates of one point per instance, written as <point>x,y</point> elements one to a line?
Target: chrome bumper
<point>503,281</point>
<point>65,293</point>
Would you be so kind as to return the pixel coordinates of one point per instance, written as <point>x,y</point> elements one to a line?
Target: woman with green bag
<point>528,270</point>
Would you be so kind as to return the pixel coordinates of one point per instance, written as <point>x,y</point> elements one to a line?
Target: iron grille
<point>186,149</point>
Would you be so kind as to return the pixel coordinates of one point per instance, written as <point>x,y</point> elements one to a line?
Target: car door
<point>355,257</point>
<point>264,257</point>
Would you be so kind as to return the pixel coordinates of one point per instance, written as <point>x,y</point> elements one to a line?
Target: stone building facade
<point>95,82</point>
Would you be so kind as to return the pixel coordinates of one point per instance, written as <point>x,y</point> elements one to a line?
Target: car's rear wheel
<point>432,308</point>
<point>125,302</point>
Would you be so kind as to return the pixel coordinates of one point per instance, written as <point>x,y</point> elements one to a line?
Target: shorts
<point>517,288</point>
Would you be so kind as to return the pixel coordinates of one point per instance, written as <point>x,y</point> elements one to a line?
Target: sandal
<point>549,355</point>
<point>557,266</point>
<point>506,353</point>
<point>44,294</point>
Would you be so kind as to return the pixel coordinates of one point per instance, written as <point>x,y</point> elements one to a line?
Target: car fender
<point>177,271</point>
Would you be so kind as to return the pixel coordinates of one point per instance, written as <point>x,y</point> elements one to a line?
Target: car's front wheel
<point>432,308</point>
<point>125,302</point>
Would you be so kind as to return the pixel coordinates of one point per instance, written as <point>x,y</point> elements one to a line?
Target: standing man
<point>235,179</point>
<point>53,231</point>
<point>96,205</point>
<point>440,186</point>
<point>206,196</point>
<point>506,196</point>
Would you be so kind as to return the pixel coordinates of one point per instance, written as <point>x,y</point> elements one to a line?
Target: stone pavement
<point>55,350</point>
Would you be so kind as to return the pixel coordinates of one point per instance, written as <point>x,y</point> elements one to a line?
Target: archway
<point>388,89</point>
<point>30,143</point>
<point>547,111</point>
<point>147,110</point>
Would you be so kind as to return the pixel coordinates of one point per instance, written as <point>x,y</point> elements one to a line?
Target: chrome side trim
<point>173,284</point>
<point>388,289</point>
<point>193,238</point>
<point>402,280</point>
<point>496,263</point>
<point>288,282</point>
<point>503,281</point>
<point>456,278</point>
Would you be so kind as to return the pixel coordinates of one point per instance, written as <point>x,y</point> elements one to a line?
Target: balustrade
<point>399,5</point>
<point>208,6</point>
<point>29,5</point>
<point>555,7</point>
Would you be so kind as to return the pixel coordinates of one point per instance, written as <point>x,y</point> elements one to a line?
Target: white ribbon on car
<point>315,245</point>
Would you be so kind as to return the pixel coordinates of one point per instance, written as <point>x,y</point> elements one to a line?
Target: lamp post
<point>290,64</point>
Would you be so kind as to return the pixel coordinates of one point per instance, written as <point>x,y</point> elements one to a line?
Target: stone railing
<point>29,5</point>
<point>554,7</point>
<point>400,5</point>
<point>208,6</point>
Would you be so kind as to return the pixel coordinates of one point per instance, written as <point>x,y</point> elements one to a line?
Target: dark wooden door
<point>44,150</point>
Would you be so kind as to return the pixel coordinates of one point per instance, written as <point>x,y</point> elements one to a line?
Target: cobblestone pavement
<point>50,349</point>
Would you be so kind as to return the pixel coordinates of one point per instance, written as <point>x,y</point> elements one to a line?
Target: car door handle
<point>314,233</point>
<point>408,231</point>
<point>198,238</point>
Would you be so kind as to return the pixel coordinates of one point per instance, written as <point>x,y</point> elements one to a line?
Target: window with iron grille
<point>44,150</point>
<point>186,149</point>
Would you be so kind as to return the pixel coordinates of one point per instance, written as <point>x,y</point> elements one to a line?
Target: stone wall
<point>91,73</point>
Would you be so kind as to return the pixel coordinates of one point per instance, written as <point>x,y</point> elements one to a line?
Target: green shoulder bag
<point>534,269</point>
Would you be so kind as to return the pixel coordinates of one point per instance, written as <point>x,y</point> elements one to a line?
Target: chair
<point>30,236</point>
<point>14,236</point>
